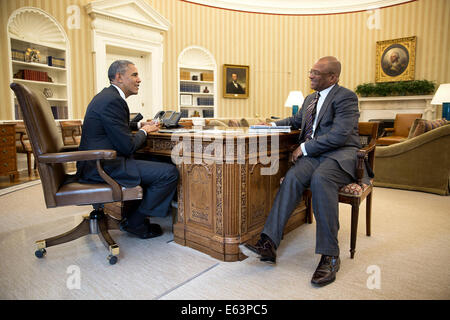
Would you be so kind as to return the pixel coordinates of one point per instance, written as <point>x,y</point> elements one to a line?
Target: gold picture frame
<point>235,81</point>
<point>395,59</point>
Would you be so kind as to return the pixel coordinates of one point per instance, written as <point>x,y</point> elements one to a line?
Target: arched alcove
<point>48,71</point>
<point>197,78</point>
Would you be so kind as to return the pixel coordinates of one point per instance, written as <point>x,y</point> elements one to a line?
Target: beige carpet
<point>409,247</point>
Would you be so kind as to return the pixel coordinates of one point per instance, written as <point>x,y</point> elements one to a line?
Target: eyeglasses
<point>318,73</point>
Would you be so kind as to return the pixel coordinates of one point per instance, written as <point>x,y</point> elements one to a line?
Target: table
<point>224,191</point>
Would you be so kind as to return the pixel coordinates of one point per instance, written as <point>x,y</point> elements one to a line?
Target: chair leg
<point>96,223</point>
<point>79,231</point>
<point>368,213</point>
<point>108,241</point>
<point>354,229</point>
<point>309,211</point>
<point>29,163</point>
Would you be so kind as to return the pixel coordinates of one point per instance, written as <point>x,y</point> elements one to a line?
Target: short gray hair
<point>118,66</point>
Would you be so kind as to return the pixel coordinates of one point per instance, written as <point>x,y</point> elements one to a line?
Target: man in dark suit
<point>324,161</point>
<point>107,126</point>
<point>233,86</point>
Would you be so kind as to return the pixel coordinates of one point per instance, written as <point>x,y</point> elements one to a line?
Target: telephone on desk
<point>169,119</point>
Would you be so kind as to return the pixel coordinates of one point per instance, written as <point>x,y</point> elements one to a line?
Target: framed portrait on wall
<point>235,81</point>
<point>395,60</point>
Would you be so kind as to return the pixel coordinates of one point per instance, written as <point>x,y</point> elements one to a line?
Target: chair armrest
<point>386,131</point>
<point>62,157</point>
<point>98,155</point>
<point>368,152</point>
<point>369,148</point>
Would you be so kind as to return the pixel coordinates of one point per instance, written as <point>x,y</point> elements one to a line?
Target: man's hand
<point>145,123</point>
<point>296,154</point>
<point>150,128</point>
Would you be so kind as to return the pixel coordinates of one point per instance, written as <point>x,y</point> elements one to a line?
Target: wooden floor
<point>6,181</point>
<point>23,177</point>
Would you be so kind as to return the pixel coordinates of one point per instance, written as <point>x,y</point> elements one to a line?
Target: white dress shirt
<point>323,96</point>
<point>123,97</point>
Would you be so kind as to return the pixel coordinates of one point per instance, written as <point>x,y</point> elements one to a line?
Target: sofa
<point>421,162</point>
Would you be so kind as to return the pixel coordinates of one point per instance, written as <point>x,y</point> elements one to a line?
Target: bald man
<point>324,161</point>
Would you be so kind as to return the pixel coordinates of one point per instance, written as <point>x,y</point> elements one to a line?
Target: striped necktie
<point>310,115</point>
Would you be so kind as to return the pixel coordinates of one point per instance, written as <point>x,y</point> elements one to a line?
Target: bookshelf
<point>197,83</point>
<point>40,62</point>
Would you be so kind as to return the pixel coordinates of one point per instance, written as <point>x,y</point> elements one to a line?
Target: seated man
<point>107,126</point>
<point>324,161</point>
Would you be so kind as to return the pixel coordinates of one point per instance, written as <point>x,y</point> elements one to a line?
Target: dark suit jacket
<point>232,89</point>
<point>106,126</point>
<point>336,134</point>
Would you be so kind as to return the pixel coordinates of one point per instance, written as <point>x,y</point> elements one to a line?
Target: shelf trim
<point>41,82</point>
<point>182,106</point>
<point>34,64</point>
<point>198,81</point>
<point>197,93</point>
<point>37,44</point>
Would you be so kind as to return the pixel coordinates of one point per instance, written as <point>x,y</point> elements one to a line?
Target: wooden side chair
<point>71,132</point>
<point>23,145</point>
<point>62,189</point>
<point>355,193</point>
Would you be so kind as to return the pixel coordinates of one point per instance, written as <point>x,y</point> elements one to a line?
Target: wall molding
<point>288,7</point>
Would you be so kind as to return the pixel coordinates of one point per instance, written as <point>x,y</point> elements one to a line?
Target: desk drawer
<point>7,141</point>
<point>7,130</point>
<point>7,165</point>
<point>7,152</point>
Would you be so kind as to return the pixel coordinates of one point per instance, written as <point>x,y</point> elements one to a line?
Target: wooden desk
<point>223,201</point>
<point>8,158</point>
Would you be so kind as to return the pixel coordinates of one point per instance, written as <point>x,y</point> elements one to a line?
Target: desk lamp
<point>294,100</point>
<point>442,96</point>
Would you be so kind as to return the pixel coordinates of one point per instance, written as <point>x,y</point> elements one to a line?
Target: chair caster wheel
<point>40,253</point>
<point>112,259</point>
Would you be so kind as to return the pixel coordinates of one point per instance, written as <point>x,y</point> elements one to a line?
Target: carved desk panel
<point>228,181</point>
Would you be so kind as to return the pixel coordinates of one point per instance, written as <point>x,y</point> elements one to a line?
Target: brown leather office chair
<point>71,132</point>
<point>356,192</point>
<point>400,132</point>
<point>62,189</point>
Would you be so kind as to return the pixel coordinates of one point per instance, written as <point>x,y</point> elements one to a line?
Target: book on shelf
<point>207,76</point>
<point>268,129</point>
<point>189,87</point>
<point>33,75</point>
<point>56,62</point>
<point>18,55</point>
<point>208,113</point>
<point>205,101</point>
<point>60,112</point>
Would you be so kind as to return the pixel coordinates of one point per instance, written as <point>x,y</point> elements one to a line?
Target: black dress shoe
<point>146,230</point>
<point>326,270</point>
<point>264,249</point>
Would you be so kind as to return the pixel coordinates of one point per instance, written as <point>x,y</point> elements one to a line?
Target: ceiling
<point>299,7</point>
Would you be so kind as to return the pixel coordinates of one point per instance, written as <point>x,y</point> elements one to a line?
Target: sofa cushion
<point>421,126</point>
